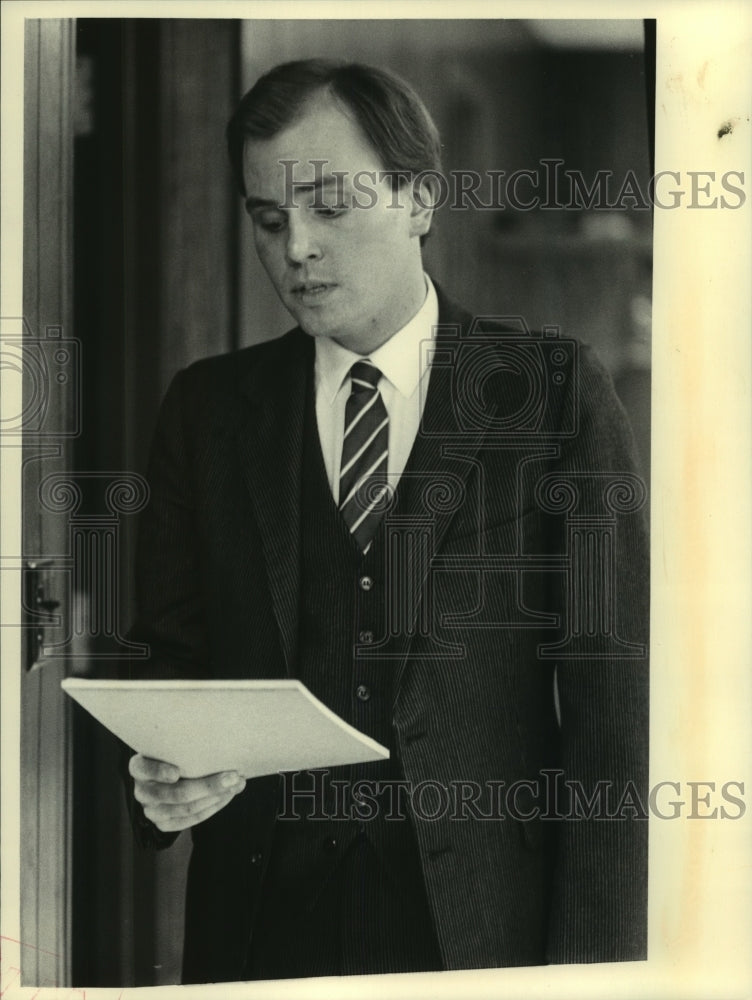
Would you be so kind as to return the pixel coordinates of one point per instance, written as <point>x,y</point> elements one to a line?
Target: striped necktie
<point>363,470</point>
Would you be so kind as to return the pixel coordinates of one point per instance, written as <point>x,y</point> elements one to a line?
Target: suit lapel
<point>433,483</point>
<point>270,446</point>
<point>444,451</point>
<point>444,456</point>
<point>427,481</point>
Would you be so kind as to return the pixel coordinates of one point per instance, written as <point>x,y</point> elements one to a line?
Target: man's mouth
<point>311,288</point>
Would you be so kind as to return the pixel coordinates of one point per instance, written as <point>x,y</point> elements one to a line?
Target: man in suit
<point>432,521</point>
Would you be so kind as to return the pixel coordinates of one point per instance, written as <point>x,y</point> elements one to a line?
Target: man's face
<point>346,272</point>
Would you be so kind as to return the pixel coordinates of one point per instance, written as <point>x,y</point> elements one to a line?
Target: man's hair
<point>392,116</point>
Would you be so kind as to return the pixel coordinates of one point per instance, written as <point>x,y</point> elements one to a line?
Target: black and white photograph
<point>370,611</point>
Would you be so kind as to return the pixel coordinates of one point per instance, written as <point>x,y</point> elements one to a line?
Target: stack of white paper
<point>252,727</point>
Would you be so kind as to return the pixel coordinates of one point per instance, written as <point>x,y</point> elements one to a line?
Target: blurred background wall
<point>165,273</point>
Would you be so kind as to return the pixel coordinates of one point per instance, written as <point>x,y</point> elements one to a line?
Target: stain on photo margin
<point>726,129</point>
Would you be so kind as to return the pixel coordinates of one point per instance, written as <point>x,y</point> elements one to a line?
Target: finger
<point>173,824</point>
<point>161,813</point>
<point>162,810</point>
<point>147,769</point>
<point>188,789</point>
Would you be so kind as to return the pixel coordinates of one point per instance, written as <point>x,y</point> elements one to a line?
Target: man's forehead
<point>313,172</point>
<point>323,141</point>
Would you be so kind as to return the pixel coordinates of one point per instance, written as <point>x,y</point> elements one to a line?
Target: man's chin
<point>318,329</point>
<point>313,321</point>
<point>317,325</point>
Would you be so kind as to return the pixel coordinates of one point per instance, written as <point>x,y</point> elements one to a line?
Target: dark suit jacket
<point>524,470</point>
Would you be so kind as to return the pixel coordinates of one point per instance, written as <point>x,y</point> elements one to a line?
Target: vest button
<point>330,844</point>
<point>256,859</point>
<point>366,637</point>
<point>363,692</point>
<point>366,582</point>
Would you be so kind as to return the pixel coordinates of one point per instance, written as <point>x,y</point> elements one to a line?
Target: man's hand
<point>173,803</point>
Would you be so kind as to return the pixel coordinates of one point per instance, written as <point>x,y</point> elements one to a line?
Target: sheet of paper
<point>252,727</point>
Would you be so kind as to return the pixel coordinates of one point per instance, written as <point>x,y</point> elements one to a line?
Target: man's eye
<point>269,223</point>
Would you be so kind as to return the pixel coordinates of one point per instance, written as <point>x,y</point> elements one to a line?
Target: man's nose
<point>302,245</point>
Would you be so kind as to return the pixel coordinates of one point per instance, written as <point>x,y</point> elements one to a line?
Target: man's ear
<point>423,199</point>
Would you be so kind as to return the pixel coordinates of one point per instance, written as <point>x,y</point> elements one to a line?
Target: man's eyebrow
<point>252,202</point>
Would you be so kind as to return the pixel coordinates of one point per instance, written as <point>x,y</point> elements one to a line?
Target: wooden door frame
<point>37,769</point>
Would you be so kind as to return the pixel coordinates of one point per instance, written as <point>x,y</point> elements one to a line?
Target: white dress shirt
<point>403,362</point>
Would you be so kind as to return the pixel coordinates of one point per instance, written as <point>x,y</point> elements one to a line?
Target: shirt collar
<point>401,359</point>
